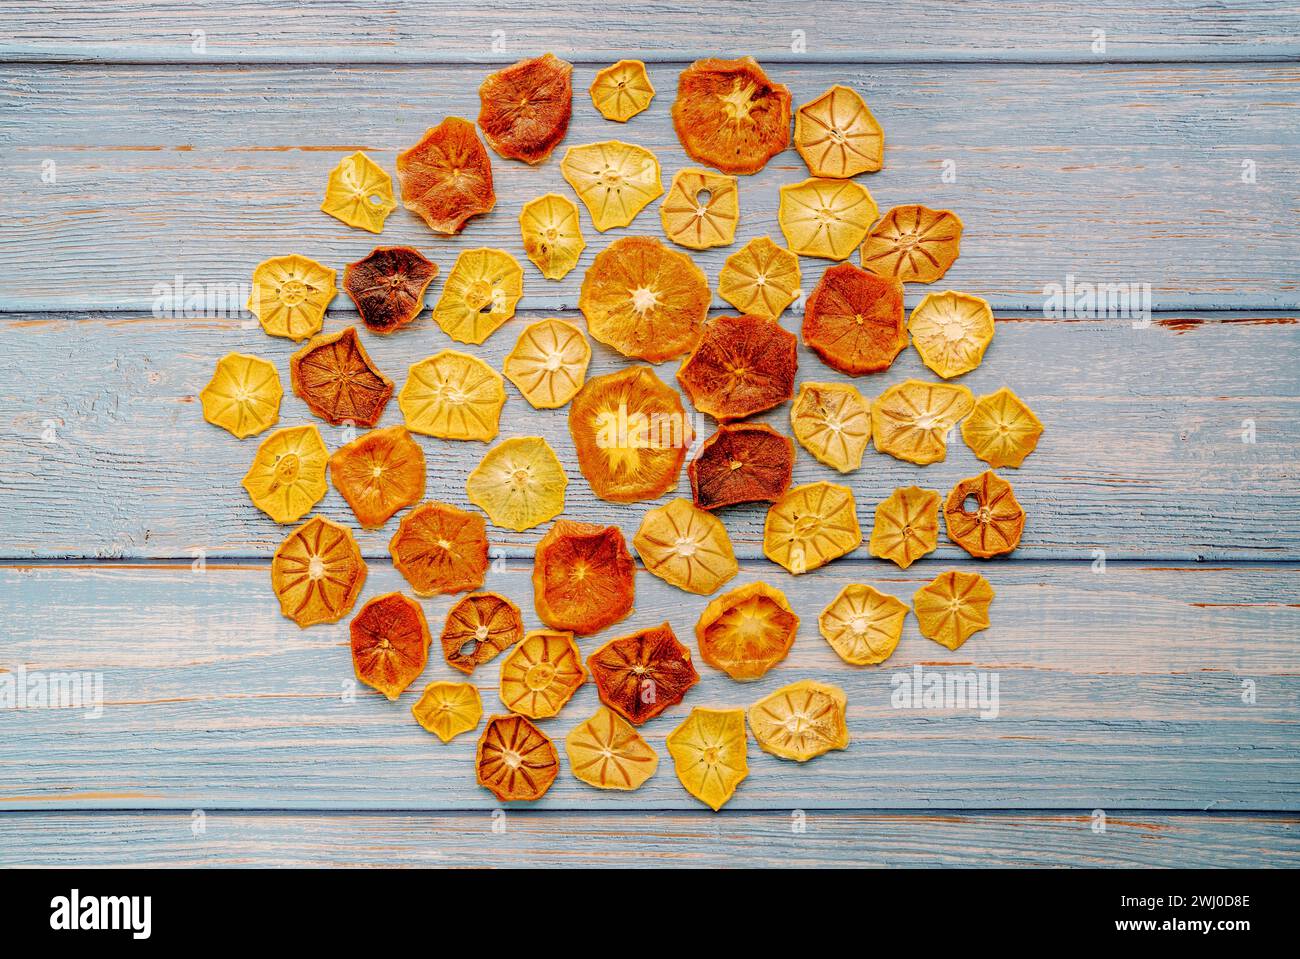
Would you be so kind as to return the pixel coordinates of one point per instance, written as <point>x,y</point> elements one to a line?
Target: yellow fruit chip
<point>760,278</point>
<point>541,674</point>
<point>548,364</point>
<point>453,396</point>
<point>701,210</point>
<point>607,752</point>
<point>614,180</point>
<point>907,526</point>
<point>243,396</point>
<point>911,420</point>
<point>838,136</point>
<point>1001,430</point>
<point>360,193</point>
<point>810,526</point>
<point>825,218</point>
<point>519,483</point>
<point>800,721</point>
<point>317,572</point>
<point>953,607</point>
<point>709,754</point>
<point>480,294</point>
<point>913,244</point>
<point>290,294</point>
<point>951,331</point>
<point>746,631</point>
<point>552,234</point>
<point>863,625</point>
<point>448,709</point>
<point>287,477</point>
<point>622,91</point>
<point>686,546</point>
<point>832,421</point>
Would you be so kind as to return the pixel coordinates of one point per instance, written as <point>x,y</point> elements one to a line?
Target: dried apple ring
<point>336,378</point>
<point>863,625</point>
<point>747,631</point>
<point>810,526</point>
<point>641,675</point>
<point>907,526</point>
<point>360,193</point>
<point>1001,430</point>
<point>838,136</point>
<point>742,365</point>
<point>854,320</point>
<point>290,294</point>
<point>951,331</point>
<point>548,364</point>
<point>447,177</point>
<point>994,526</point>
<point>317,572</point>
<point>953,607</point>
<point>614,180</point>
<point>379,473</point>
<point>541,674</point>
<point>729,115</point>
<point>480,294</point>
<point>741,463</point>
<point>287,475</point>
<point>801,721</point>
<point>686,547</point>
<point>478,628</point>
<point>453,396</point>
<point>519,483</point>
<point>552,234</point>
<point>911,420</point>
<point>913,244</point>
<point>448,709</point>
<point>760,278</point>
<point>825,218</point>
<point>388,286</point>
<point>708,751</point>
<point>622,90</point>
<point>525,108</point>
<point>243,396</point>
<point>701,209</point>
<point>583,577</point>
<point>607,753</point>
<point>832,421</point>
<point>390,643</point>
<point>440,549</point>
<point>515,759</point>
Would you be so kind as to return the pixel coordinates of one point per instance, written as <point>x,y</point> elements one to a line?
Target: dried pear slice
<point>548,364</point>
<point>317,572</point>
<point>287,475</point>
<point>863,625</point>
<point>519,483</point>
<point>359,193</point>
<point>552,234</point>
<point>951,331</point>
<point>243,396</point>
<point>709,754</point>
<point>686,547</point>
<point>913,244</point>
<point>953,607</point>
<point>448,709</point>
<point>810,526</point>
<point>390,643</point>
<point>622,90</point>
<point>608,753</point>
<point>614,180</point>
<point>583,577</point>
<point>825,218</point>
<point>747,631</point>
<point>801,721</point>
<point>480,294</point>
<point>440,549</point>
<point>290,294</point>
<point>838,136</point>
<point>1001,430</point>
<point>906,527</point>
<point>453,396</point>
<point>760,278</point>
<point>701,209</point>
<point>832,421</point>
<point>911,420</point>
<point>541,674</point>
<point>379,473</point>
<point>994,526</point>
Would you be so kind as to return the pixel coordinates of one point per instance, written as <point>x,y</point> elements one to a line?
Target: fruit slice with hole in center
<point>953,607</point>
<point>440,549</point>
<point>453,396</point>
<point>701,209</point>
<point>832,421</point>
<point>1001,430</point>
<point>911,420</point>
<point>519,483</point>
<point>290,294</point>
<point>863,625</point>
<point>641,675</point>
<point>607,753</point>
<point>548,363</point>
<point>287,475</point>
<point>913,244</point>
<point>515,759</point>
<point>907,526</point>
<point>480,294</point>
<point>951,331</point>
<point>825,218</point>
<point>379,473</point>
<point>742,365</point>
<point>810,526</point>
<point>447,177</point>
<point>360,193</point>
<point>387,286</point>
<point>243,396</point>
<point>760,278</point>
<point>525,107</point>
<point>541,674</point>
<point>448,709</point>
<point>838,136</point>
<point>390,643</point>
<point>685,546</point>
<point>994,526</point>
<point>552,234</point>
<point>729,115</point>
<point>614,180</point>
<point>622,90</point>
<point>747,631</point>
<point>741,463</point>
<point>478,628</point>
<point>317,572</point>
<point>854,320</point>
<point>709,754</point>
<point>583,577</point>
<point>801,721</point>
<point>336,378</point>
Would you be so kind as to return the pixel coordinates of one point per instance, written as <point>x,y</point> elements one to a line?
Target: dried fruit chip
<point>747,631</point>
<point>614,180</point>
<point>440,549</point>
<point>760,278</point>
<point>290,294</point>
<point>729,115</point>
<point>951,331</point>
<point>800,721</point>
<point>913,244</point>
<point>336,378</point>
<point>453,396</point>
<point>863,625</point>
<point>515,759</point>
<point>910,420</point>
<point>388,286</point>
<point>552,234</point>
<point>708,751</point>
<point>622,91</point>
<point>541,674</point>
<point>742,365</point>
<point>994,526</point>
<point>631,434</point>
<point>854,320</point>
<point>701,209</point>
<point>1001,430</point>
<point>825,218</point>
<point>810,526</point>
<point>838,136</point>
<point>480,294</point>
<point>607,753</point>
<point>685,546</point>
<point>741,463</point>
<point>360,193</point>
<point>519,483</point>
<point>644,299</point>
<point>832,421</point>
<point>379,473</point>
<point>526,107</point>
<point>243,396</point>
<point>953,607</point>
<point>287,476</point>
<point>447,177</point>
<point>390,643</point>
<point>548,363</point>
<point>317,572</point>
<point>583,577</point>
<point>478,628</point>
<point>448,709</point>
<point>641,675</point>
<point>907,526</point>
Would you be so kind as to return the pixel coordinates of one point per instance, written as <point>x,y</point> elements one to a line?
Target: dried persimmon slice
<point>953,607</point>
<point>685,546</point>
<point>390,643</point>
<point>440,549</point>
<point>729,115</point>
<point>747,631</point>
<point>838,136</point>
<point>388,286</point>
<point>541,674</point>
<point>480,294</point>
<point>614,180</point>
<point>548,364</point>
<point>338,381</point>
<point>832,421</point>
<point>447,177</point>
<point>515,759</point>
<point>801,721</point>
<point>379,473</point>
<point>290,294</point>
<point>519,483</point>
<point>453,396</point>
<point>525,108</point>
<point>741,463</point>
<point>994,525</point>
<point>913,244</point>
<point>608,753</point>
<point>552,234</point>
<point>906,527</point>
<point>825,218</point>
<point>583,577</point>
<point>1001,430</point>
<point>951,331</point>
<point>622,90</point>
<point>641,675</point>
<point>478,628</point>
<point>853,320</point>
<point>911,420</point>
<point>243,396</point>
<point>287,475</point>
<point>810,526</point>
<point>701,209</point>
<point>317,572</point>
<point>863,625</point>
<point>709,754</point>
<point>359,193</point>
<point>742,365</point>
<point>760,278</point>
<point>448,709</point>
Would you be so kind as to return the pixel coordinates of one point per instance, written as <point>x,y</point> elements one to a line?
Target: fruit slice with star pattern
<point>838,136</point>
<point>478,628</point>
<point>390,643</point>
<point>746,631</point>
<point>440,549</point>
<point>541,674</point>
<point>336,378</point>
<point>548,364</point>
<point>622,90</point>
<point>801,721</point>
<point>760,278</point>
<point>953,607</point>
<point>480,294</point>
<point>742,365</point>
<point>359,192</point>
<point>995,524</point>
<point>863,625</point>
<point>810,526</point>
<point>448,709</point>
<point>519,483</point>
<point>290,294</point>
<point>388,285</point>
<point>614,180</point>
<point>709,754</point>
<point>447,177</point>
<point>853,320</point>
<point>287,475</point>
<point>606,752</point>
<point>552,234</point>
<point>1001,430</point>
<point>906,527</point>
<point>832,421</point>
<point>729,115</point>
<point>525,107</point>
<point>951,331</point>
<point>453,396</point>
<point>243,396</point>
<point>911,420</point>
<point>686,547</point>
<point>379,473</point>
<point>515,759</point>
<point>641,675</point>
<point>913,244</point>
<point>825,218</point>
<point>317,572</point>
<point>701,209</point>
<point>583,577</point>
<point>741,463</point>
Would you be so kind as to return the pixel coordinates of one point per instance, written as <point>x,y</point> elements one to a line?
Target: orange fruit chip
<point>747,631</point>
<point>953,607</point>
<point>480,294</point>
<point>390,643</point>
<point>440,549</point>
<point>800,721</point>
<point>448,709</point>
<point>336,378</point>
<point>583,577</point>
<point>685,546</point>
<point>644,299</point>
<point>525,108</point>
<point>825,218</point>
<point>631,434</point>
<point>541,674</point>
<point>832,421</point>
<point>810,526</point>
<point>519,483</point>
<point>701,209</point>
<point>951,331</point>
<point>1001,430</point>
<point>607,753</point>
<point>741,463</point>
<point>760,278</point>
<point>911,420</point>
<point>641,675</point>
<point>863,625</point>
<point>317,572</point>
<point>290,294</point>
<point>907,526</point>
<point>853,320</point>
<point>622,91</point>
<point>478,628</point>
<point>838,136</point>
<point>388,286</point>
<point>614,180</point>
<point>709,754</point>
<point>287,476</point>
<point>360,193</point>
<point>243,396</point>
<point>548,363</point>
<point>515,759</point>
<point>742,365</point>
<point>729,115</point>
<point>447,177</point>
<point>453,396</point>
<point>379,473</point>
<point>994,526</point>
<point>552,234</point>
<point>913,244</point>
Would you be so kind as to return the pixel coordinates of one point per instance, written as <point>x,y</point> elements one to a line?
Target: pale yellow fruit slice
<point>615,180</point>
<point>832,421</point>
<point>453,396</point>
<point>863,625</point>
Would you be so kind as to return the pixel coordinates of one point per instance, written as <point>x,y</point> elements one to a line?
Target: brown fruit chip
<point>441,549</point>
<point>741,463</point>
<point>583,577</point>
<point>515,759</point>
<point>390,643</point>
<point>729,115</point>
<point>994,526</point>
<point>742,365</point>
<point>335,377</point>
<point>526,107</point>
<point>447,177</point>
<point>641,675</point>
<point>388,286</point>
<point>478,628</point>
<point>854,320</point>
